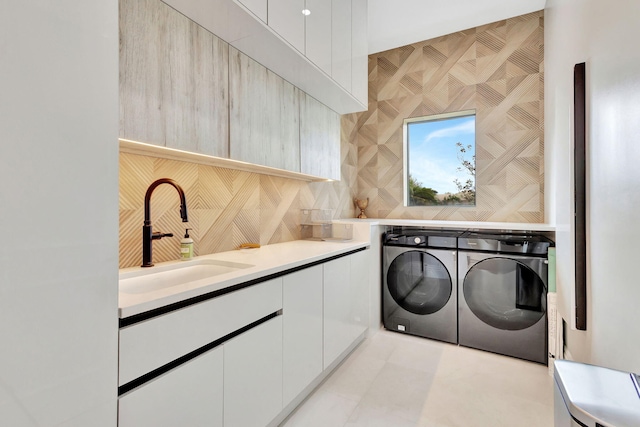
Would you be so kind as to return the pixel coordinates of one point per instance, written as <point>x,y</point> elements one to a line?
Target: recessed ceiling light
<point>306,12</point>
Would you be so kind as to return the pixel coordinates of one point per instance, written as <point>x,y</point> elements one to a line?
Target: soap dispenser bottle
<point>186,246</point>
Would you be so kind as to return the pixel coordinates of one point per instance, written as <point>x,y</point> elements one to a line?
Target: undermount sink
<point>167,276</point>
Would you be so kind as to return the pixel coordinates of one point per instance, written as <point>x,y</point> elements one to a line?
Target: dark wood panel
<point>579,104</point>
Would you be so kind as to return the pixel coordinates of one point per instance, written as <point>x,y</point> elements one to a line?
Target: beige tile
<point>354,377</point>
<point>468,407</point>
<point>380,346</point>
<point>372,415</point>
<point>396,380</point>
<point>400,391</point>
<point>497,373</point>
<point>476,388</point>
<point>322,409</point>
<point>418,353</point>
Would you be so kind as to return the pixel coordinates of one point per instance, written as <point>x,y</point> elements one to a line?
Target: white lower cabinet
<point>189,395</point>
<point>302,330</point>
<point>346,302</point>
<point>253,376</point>
<point>250,379</point>
<point>359,283</point>
<point>338,334</point>
<point>148,345</point>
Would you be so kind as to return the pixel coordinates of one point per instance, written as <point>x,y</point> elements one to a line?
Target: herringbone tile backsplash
<point>496,69</point>
<point>226,207</point>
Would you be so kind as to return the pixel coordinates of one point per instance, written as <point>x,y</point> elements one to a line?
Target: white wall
<point>58,213</point>
<point>604,35</point>
<point>401,22</point>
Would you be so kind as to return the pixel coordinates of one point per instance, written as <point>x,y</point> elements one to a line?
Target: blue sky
<point>433,153</point>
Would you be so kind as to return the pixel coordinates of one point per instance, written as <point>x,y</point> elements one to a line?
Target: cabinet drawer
<point>148,345</point>
<point>190,395</point>
<point>253,376</point>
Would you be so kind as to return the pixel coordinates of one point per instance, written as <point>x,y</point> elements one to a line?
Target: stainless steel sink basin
<point>162,277</point>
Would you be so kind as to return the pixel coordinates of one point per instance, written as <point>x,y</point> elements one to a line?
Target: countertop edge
<point>288,255</point>
<point>513,226</point>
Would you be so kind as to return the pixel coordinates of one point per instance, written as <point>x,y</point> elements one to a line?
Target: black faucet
<point>147,234</point>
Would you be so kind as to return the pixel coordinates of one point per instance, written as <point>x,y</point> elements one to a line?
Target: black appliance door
<point>505,293</point>
<point>419,282</point>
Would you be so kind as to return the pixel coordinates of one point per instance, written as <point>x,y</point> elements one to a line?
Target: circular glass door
<point>419,282</point>
<point>505,294</point>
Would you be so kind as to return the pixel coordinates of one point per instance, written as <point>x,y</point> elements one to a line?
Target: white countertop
<point>511,226</point>
<point>597,394</point>
<point>265,261</point>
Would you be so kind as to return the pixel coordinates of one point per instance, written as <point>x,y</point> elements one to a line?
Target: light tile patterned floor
<point>396,380</point>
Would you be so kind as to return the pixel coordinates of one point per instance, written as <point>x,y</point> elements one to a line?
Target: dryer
<point>419,283</point>
<point>502,294</point>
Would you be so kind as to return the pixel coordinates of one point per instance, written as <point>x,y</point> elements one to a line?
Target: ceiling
<point>402,22</point>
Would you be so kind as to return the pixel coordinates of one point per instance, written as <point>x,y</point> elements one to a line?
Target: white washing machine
<point>419,283</point>
<point>502,294</point>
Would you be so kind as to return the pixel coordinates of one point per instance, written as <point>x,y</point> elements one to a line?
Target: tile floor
<point>396,380</point>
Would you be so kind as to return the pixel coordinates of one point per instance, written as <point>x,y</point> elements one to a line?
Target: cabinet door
<point>360,271</point>
<point>302,330</point>
<point>338,332</point>
<point>319,139</point>
<point>253,376</point>
<point>286,19</point>
<point>318,34</point>
<point>359,49</point>
<point>341,42</point>
<point>264,118</point>
<point>173,80</point>
<point>257,7</point>
<point>189,395</point>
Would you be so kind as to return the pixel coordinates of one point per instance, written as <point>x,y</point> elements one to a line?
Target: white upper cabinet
<point>257,7</point>
<point>312,52</point>
<point>341,42</point>
<point>286,19</point>
<point>319,139</point>
<point>173,80</point>
<point>318,34</point>
<point>264,116</point>
<point>359,51</point>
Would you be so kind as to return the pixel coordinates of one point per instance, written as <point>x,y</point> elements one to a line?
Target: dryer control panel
<point>444,239</point>
<point>530,244</point>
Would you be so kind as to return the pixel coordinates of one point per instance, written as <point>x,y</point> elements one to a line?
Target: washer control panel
<point>419,240</point>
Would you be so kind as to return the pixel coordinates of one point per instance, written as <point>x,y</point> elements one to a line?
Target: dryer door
<point>419,282</point>
<point>506,293</point>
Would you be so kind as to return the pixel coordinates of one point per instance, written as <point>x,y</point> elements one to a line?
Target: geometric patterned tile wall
<point>226,207</point>
<point>496,69</point>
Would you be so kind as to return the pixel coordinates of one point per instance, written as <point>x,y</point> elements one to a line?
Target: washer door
<point>505,293</point>
<point>419,282</point>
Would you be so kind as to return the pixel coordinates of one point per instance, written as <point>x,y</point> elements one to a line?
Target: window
<point>440,159</point>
